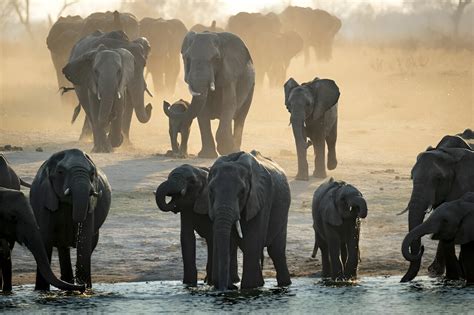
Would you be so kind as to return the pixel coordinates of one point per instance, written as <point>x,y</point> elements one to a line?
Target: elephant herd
<point>241,201</point>
<point>104,57</point>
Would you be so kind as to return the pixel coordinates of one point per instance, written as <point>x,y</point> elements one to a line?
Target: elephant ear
<point>79,71</point>
<point>465,233</point>
<point>234,56</point>
<point>42,194</point>
<point>201,205</point>
<point>187,42</point>
<point>328,208</point>
<point>326,95</point>
<point>288,87</point>
<point>95,184</point>
<point>128,68</point>
<point>260,180</point>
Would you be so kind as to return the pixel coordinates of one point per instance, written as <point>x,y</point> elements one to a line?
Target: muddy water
<point>370,295</point>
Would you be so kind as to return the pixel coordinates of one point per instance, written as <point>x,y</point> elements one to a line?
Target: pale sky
<point>41,8</point>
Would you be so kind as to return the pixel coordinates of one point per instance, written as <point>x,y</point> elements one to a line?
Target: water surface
<point>370,295</point>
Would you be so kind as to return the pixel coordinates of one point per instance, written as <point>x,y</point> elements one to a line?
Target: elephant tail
<point>25,184</point>
<point>76,112</point>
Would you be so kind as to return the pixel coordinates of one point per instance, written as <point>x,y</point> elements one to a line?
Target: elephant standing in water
<point>249,200</point>
<point>187,187</point>
<point>451,222</point>
<point>313,108</point>
<point>71,199</point>
<point>439,175</point>
<point>18,224</point>
<point>107,72</point>
<point>165,37</point>
<point>317,28</point>
<point>337,210</point>
<point>221,78</point>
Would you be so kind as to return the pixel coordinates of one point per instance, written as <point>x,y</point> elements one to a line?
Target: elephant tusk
<point>96,194</point>
<point>148,92</point>
<point>400,213</point>
<point>119,95</point>
<point>192,92</point>
<point>183,191</point>
<point>98,96</point>
<point>154,192</point>
<point>430,208</point>
<point>212,86</point>
<point>239,228</point>
<point>67,191</point>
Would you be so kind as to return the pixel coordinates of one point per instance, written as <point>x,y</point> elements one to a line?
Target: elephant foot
<point>102,149</point>
<point>320,174</point>
<point>436,269</point>
<point>207,154</point>
<point>332,163</point>
<point>235,279</point>
<point>304,177</point>
<point>85,137</point>
<point>115,141</point>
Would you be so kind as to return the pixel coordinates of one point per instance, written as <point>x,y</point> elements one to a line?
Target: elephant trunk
<point>222,227</point>
<point>81,191</point>
<point>193,110</point>
<point>33,241</point>
<point>108,92</point>
<point>168,188</point>
<point>137,98</point>
<point>300,141</point>
<point>361,204</point>
<point>415,235</point>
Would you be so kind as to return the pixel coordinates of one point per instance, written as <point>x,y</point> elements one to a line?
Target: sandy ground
<point>394,104</point>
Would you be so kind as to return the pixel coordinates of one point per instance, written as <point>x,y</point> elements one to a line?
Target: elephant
<point>452,223</point>
<point>337,210</point>
<point>317,28</point>
<point>8,177</point>
<point>221,78</point>
<point>439,175</point>
<point>199,28</point>
<point>62,36</point>
<point>107,72</point>
<point>467,134</point>
<point>260,33</point>
<point>18,224</point>
<point>187,186</point>
<point>111,21</point>
<point>313,108</point>
<point>178,126</point>
<point>249,200</point>
<point>165,38</point>
<point>70,197</point>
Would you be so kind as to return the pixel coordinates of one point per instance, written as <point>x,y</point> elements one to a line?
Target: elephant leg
<point>334,247</point>
<point>64,254</point>
<point>6,269</point>
<point>326,266</point>
<point>467,261</point>
<point>41,283</point>
<point>209,265</point>
<point>277,252</point>
<point>208,149</point>
<point>344,253</point>
<point>437,267</point>
<point>234,268</point>
<point>183,148</point>
<point>188,250</point>
<point>239,120</point>
<point>453,271</point>
<point>101,142</point>
<point>319,147</point>
<point>126,122</point>
<point>224,138</point>
<point>331,142</point>
<point>86,133</point>
<point>252,248</point>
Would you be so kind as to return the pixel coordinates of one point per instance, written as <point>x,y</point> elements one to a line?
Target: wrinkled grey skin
<point>450,223</point>
<point>107,72</point>
<point>467,134</point>
<point>70,198</point>
<point>8,177</point>
<point>220,75</point>
<point>199,28</point>
<point>166,37</point>
<point>251,192</point>
<point>337,209</point>
<point>439,175</point>
<point>317,28</point>
<point>111,21</point>
<point>18,224</point>
<point>187,187</point>
<point>313,108</point>
<point>177,126</point>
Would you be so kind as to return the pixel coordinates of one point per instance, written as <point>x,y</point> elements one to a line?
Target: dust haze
<point>405,81</point>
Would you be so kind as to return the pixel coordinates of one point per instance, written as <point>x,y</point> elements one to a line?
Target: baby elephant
<point>176,126</point>
<point>451,223</point>
<point>337,209</point>
<point>187,187</point>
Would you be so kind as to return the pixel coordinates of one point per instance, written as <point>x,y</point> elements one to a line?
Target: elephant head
<point>17,223</point>
<point>69,177</point>
<point>339,202</point>
<point>237,186</point>
<point>187,187</point>
<point>451,221</point>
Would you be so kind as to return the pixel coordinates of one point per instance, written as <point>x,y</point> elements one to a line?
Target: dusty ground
<point>394,103</point>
